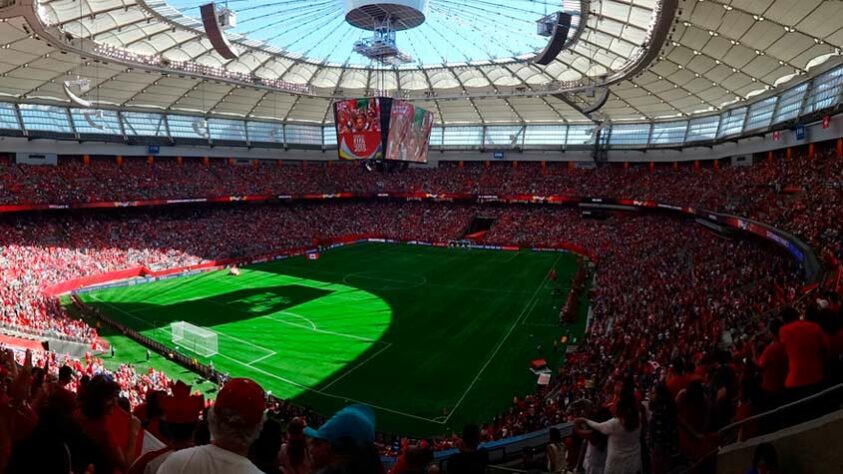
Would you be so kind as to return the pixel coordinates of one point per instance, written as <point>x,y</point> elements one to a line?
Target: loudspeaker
<point>557,41</point>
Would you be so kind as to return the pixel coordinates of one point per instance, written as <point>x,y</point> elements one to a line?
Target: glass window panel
<point>666,133</point>
<point>732,122</point>
<point>760,114</point>
<point>704,128</point>
<point>545,135</point>
<point>463,136</point>
<point>825,91</point>
<point>436,134</point>
<point>96,122</point>
<point>304,134</point>
<point>581,134</point>
<point>225,129</point>
<point>265,132</point>
<point>8,117</point>
<point>144,124</point>
<point>329,136</point>
<point>503,135</point>
<point>45,118</point>
<point>790,103</point>
<point>630,134</point>
<point>183,126</point>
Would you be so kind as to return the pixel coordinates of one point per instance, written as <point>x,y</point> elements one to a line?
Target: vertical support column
<point>86,160</point>
<point>811,151</point>
<point>150,160</point>
<point>119,160</point>
<point>770,157</point>
<point>840,148</point>
<point>788,153</point>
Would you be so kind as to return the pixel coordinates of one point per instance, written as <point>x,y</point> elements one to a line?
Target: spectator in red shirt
<point>807,348</point>
<point>773,365</point>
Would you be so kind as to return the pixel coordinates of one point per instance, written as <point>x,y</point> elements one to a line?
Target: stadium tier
<point>421,236</point>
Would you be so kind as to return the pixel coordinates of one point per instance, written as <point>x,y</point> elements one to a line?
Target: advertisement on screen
<point>359,128</point>
<point>409,133</point>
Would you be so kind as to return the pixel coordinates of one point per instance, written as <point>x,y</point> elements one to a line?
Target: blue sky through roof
<point>456,31</point>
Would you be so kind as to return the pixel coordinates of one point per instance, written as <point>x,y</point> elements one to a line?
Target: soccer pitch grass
<point>431,338</point>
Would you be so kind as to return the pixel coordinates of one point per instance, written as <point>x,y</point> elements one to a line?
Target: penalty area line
<point>261,358</point>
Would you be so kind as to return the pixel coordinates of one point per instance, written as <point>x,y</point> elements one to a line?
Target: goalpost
<point>196,339</point>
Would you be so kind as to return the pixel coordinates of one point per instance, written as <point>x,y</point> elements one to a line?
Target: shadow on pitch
<point>212,310</point>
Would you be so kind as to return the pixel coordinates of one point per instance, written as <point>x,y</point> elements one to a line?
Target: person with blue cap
<point>345,444</point>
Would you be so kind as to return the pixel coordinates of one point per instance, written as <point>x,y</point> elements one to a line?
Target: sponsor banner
<point>185,201</point>
<point>38,159</point>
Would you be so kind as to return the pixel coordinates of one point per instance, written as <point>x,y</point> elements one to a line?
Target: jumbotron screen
<point>359,132</point>
<point>409,133</point>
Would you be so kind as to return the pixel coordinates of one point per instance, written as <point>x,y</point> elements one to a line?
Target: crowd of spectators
<point>658,279</point>
<point>776,191</point>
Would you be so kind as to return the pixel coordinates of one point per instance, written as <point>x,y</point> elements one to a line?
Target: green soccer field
<point>432,338</point>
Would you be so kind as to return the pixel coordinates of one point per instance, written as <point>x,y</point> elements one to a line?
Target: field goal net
<point>196,339</point>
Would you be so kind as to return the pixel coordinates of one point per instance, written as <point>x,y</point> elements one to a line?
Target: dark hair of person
<point>627,410</point>
<point>153,406</point>
<point>296,445</point>
<point>789,314</point>
<point>664,398</point>
<point>695,392</point>
<point>357,458</point>
<point>774,326</point>
<point>555,435</point>
<point>765,454</point>
<point>124,403</point>
<point>202,434</point>
<point>178,432</point>
<point>471,435</point>
<point>828,321</point>
<point>596,438</point>
<point>264,451</point>
<point>65,374</point>
<point>92,401</point>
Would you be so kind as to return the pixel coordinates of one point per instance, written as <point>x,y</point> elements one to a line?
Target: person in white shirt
<point>235,421</point>
<point>623,453</point>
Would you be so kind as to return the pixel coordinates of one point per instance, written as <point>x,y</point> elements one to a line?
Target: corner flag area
<point>431,338</point>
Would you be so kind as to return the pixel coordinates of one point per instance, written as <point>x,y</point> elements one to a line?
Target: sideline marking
<point>529,305</point>
<point>361,364</point>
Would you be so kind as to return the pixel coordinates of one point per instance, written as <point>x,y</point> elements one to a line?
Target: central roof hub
<point>401,14</point>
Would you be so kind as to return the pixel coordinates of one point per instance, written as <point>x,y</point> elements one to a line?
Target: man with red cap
<point>235,421</point>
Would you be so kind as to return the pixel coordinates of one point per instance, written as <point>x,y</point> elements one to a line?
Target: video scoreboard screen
<point>359,133</point>
<point>409,133</point>
<point>379,127</point>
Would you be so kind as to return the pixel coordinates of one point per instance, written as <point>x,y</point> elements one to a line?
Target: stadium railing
<point>803,411</point>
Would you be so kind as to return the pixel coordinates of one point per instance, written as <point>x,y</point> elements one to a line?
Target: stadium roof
<point>661,59</point>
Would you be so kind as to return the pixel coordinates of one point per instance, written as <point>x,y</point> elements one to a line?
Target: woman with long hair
<point>623,453</point>
<point>294,457</point>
